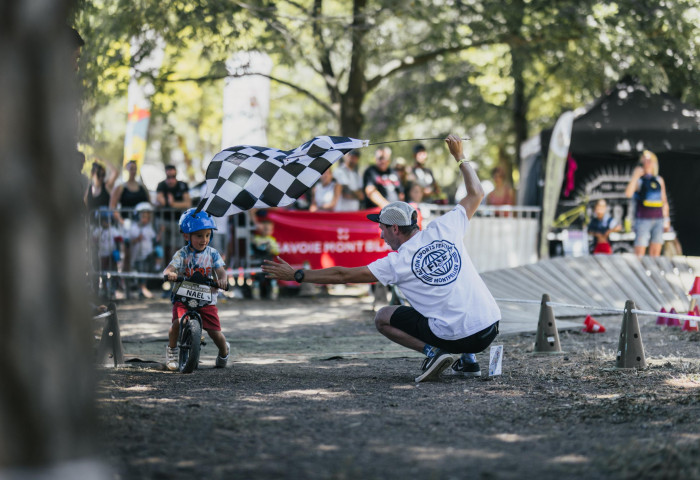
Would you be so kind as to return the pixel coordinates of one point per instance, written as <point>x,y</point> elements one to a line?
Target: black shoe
<point>432,367</point>
<point>464,369</point>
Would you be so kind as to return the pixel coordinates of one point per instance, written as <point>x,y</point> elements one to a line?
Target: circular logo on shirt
<point>437,263</point>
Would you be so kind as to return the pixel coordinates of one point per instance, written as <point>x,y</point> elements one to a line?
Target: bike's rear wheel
<point>190,342</point>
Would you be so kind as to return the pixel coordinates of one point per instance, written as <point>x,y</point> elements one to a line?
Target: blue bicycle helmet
<point>103,213</point>
<point>192,221</point>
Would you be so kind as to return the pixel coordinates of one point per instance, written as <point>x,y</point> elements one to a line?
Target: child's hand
<point>222,282</point>
<point>172,276</point>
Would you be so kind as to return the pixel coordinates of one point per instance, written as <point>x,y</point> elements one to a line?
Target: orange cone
<point>592,326</point>
<point>661,320</point>
<point>695,290</point>
<point>690,325</point>
<point>673,322</point>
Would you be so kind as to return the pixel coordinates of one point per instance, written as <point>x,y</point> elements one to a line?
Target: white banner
<point>554,175</point>
<point>139,97</point>
<point>246,100</point>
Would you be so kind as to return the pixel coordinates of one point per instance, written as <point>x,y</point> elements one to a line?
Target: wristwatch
<point>299,275</point>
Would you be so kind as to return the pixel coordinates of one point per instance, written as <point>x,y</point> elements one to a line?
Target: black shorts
<point>408,320</point>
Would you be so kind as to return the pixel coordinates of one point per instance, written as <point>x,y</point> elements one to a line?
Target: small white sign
<point>496,360</point>
<point>194,290</point>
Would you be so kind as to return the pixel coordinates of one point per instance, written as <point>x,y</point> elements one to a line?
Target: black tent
<point>616,128</point>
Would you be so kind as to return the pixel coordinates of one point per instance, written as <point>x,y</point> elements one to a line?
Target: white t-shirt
<point>435,273</point>
<point>351,179</point>
<point>323,194</point>
<point>142,248</point>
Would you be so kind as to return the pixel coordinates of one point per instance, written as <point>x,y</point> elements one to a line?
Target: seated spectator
<point>325,193</point>
<point>600,227</point>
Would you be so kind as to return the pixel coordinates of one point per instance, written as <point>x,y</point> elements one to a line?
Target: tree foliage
<point>392,69</point>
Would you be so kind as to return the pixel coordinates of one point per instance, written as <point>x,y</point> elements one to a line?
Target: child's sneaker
<point>433,367</point>
<point>221,361</point>
<point>171,358</point>
<point>465,369</point>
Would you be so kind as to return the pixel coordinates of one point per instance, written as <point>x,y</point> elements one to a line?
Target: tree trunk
<point>47,374</point>
<point>519,59</point>
<point>351,117</point>
<point>520,106</point>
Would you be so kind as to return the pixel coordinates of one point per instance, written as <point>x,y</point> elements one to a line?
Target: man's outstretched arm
<point>475,192</point>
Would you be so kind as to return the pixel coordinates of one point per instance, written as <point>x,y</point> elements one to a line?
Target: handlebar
<point>201,280</point>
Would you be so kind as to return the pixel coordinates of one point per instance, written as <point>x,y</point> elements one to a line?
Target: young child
<point>197,256</point>
<point>264,246</point>
<point>106,238</point>
<point>600,227</point>
<point>141,236</point>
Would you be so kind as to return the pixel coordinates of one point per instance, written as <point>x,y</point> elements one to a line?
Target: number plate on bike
<point>195,290</point>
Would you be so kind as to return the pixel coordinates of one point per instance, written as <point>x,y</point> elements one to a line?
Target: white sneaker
<point>221,361</point>
<point>171,358</point>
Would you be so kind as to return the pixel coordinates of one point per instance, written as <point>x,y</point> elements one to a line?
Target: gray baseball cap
<point>395,213</point>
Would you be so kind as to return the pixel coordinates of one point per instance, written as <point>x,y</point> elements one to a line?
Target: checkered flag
<point>244,177</point>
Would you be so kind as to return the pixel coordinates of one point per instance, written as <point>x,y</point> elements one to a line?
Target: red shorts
<point>602,248</point>
<point>209,314</point>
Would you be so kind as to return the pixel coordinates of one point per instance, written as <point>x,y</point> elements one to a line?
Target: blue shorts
<point>648,230</point>
<point>408,320</point>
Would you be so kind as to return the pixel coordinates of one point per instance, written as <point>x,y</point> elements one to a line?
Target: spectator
<point>173,197</point>
<point>106,238</point>
<point>351,183</point>
<point>264,246</point>
<point>502,193</point>
<point>98,192</point>
<point>415,193</point>
<point>326,193</point>
<point>600,226</point>
<point>403,170</point>
<point>381,183</point>
<point>125,197</point>
<point>652,212</point>
<point>423,175</point>
<point>141,237</point>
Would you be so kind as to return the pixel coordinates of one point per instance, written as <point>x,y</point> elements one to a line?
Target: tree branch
<point>208,78</point>
<point>420,60</point>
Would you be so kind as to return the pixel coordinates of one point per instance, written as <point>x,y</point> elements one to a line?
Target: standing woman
<point>652,213</point>
<point>98,192</point>
<point>126,196</point>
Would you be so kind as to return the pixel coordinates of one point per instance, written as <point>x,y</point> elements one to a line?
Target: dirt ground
<point>314,392</point>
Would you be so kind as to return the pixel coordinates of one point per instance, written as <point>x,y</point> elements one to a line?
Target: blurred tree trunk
<point>46,368</point>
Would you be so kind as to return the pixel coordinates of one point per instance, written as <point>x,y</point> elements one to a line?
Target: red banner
<point>326,239</point>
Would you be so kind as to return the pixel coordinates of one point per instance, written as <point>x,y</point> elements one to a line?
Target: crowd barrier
<point>502,237</point>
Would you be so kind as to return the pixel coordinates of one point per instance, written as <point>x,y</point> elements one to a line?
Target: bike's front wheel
<point>190,342</point>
